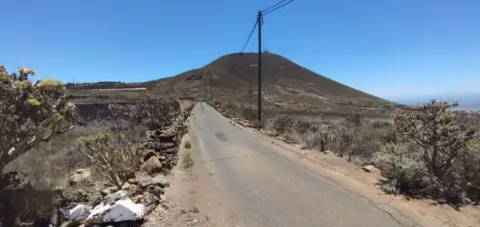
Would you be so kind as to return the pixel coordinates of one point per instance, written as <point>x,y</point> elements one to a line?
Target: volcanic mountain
<point>232,79</point>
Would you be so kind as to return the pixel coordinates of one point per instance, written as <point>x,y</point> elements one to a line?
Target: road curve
<point>265,188</point>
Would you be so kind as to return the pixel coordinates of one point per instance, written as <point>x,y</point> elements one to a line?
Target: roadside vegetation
<point>429,152</point>
<point>187,159</point>
<point>433,155</point>
<point>113,157</point>
<point>30,114</point>
<point>49,148</point>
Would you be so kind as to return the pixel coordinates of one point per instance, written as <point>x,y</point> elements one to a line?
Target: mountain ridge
<point>286,86</point>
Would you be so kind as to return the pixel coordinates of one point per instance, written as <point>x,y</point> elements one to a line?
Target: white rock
<point>121,210</point>
<point>79,212</point>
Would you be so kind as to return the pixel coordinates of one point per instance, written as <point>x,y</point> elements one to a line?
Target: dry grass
<point>50,164</point>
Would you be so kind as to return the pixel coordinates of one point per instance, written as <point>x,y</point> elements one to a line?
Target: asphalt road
<point>265,188</point>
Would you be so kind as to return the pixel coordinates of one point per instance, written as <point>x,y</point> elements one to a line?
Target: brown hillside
<point>287,86</point>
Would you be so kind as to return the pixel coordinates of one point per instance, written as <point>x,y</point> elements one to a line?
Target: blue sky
<point>397,49</point>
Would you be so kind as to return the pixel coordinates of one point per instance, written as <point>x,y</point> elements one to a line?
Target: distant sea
<point>465,102</point>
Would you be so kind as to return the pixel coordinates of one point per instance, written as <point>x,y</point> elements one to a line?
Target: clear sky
<point>396,49</point>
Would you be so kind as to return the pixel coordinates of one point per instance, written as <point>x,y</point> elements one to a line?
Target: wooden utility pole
<point>259,22</point>
<point>204,87</point>
<point>250,117</point>
<point>211,88</point>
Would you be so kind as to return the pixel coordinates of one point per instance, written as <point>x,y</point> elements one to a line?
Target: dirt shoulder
<point>367,185</point>
<point>191,198</point>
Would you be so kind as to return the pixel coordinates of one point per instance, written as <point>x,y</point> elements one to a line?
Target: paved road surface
<point>266,188</point>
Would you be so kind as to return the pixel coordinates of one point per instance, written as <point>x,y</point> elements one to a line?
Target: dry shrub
<point>155,113</point>
<point>352,137</point>
<point>471,169</point>
<point>282,124</point>
<point>30,113</point>
<point>112,155</point>
<point>440,157</point>
<point>49,164</point>
<point>355,138</point>
<point>402,168</point>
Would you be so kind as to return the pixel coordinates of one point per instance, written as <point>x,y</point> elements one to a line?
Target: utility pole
<point>204,87</point>
<point>259,22</point>
<point>250,99</point>
<point>211,88</point>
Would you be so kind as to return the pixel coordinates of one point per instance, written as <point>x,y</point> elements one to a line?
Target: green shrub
<point>187,160</point>
<point>188,145</point>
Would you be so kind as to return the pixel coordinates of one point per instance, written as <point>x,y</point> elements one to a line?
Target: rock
<point>152,165</point>
<point>109,190</point>
<point>169,133</point>
<point>79,175</point>
<point>150,199</point>
<point>121,210</point>
<point>132,181</point>
<point>126,186</point>
<point>369,168</point>
<point>145,180</point>
<point>138,198</point>
<point>149,154</point>
<point>155,189</point>
<point>111,198</point>
<point>66,224</point>
<point>53,217</point>
<point>79,212</point>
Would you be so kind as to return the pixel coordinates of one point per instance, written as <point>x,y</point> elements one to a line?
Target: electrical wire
<point>249,36</point>
<point>266,11</point>
<point>276,6</point>
<point>230,71</point>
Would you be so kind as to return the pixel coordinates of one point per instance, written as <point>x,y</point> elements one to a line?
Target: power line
<point>249,36</point>
<point>271,9</point>
<point>274,5</point>
<point>243,48</point>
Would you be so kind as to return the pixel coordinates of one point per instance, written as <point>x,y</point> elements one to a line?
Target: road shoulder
<point>192,197</point>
